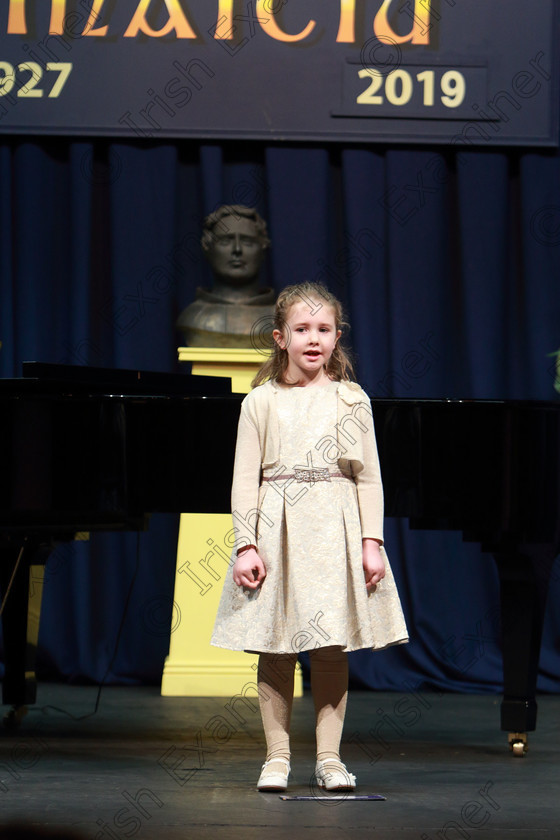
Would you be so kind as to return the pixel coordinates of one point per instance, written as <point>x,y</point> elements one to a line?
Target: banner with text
<point>464,72</point>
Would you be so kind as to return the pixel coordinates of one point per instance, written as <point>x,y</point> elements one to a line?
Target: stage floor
<point>153,767</point>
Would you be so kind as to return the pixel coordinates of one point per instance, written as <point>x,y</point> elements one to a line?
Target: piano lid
<point>54,378</point>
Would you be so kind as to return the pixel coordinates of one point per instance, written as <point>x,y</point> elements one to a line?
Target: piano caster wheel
<point>14,717</point>
<point>518,743</point>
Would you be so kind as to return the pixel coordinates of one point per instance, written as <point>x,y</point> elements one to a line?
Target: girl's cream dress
<point>306,489</point>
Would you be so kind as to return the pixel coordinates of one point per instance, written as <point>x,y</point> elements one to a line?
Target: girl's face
<point>310,336</point>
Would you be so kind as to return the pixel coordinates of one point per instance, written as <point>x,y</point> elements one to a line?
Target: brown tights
<point>329,686</point>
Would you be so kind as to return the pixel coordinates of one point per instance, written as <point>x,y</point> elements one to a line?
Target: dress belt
<point>308,475</point>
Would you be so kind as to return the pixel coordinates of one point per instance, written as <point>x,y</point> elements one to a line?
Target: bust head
<point>234,240</point>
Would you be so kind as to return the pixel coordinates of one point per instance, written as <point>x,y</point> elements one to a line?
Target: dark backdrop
<point>453,255</point>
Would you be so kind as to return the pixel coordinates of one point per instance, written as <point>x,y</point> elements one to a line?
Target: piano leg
<point>21,594</point>
<point>523,584</point>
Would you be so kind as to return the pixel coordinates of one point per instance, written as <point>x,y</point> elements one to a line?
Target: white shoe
<point>333,775</point>
<point>274,778</point>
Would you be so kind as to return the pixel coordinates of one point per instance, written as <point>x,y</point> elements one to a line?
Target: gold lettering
<point>225,21</point>
<point>94,16</point>
<point>269,24</point>
<point>420,32</point>
<point>177,21</point>
<point>16,18</point>
<point>267,12</point>
<point>346,29</point>
<point>58,13</point>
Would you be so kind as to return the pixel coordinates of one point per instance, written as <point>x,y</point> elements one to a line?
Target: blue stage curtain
<point>450,255</point>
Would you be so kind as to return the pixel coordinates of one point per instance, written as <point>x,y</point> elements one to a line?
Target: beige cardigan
<point>351,446</point>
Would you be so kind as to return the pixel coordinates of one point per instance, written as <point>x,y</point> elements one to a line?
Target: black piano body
<point>101,450</point>
<point>488,468</point>
<point>87,449</point>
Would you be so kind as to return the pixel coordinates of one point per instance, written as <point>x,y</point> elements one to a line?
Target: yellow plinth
<point>239,364</point>
<point>194,668</point>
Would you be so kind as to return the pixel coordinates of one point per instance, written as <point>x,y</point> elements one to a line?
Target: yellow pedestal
<point>239,364</point>
<point>194,668</point>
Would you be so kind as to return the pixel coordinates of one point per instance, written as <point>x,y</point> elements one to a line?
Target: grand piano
<point>488,468</point>
<point>88,449</point>
<point>85,449</point>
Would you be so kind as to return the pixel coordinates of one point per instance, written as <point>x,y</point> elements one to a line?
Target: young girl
<point>310,571</point>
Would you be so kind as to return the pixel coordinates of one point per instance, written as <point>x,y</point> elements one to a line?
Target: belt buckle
<point>312,475</point>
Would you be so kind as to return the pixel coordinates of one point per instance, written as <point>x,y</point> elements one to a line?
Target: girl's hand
<point>248,569</point>
<point>372,561</point>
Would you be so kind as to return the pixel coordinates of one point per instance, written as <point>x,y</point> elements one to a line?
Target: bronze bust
<point>234,240</point>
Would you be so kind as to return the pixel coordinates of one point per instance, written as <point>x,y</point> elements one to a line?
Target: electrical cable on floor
<point>46,709</point>
<point>5,599</point>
